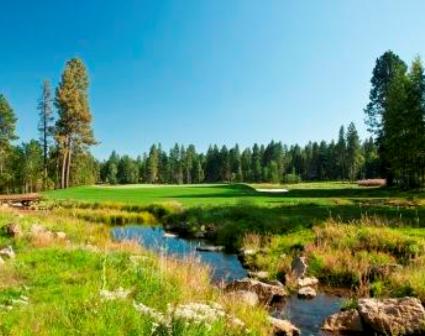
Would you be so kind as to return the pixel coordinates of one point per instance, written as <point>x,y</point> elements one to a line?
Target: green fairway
<point>326,193</point>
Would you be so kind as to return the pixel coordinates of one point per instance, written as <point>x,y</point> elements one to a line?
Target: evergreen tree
<point>383,81</point>
<point>45,126</point>
<point>256,170</point>
<point>415,125</point>
<point>341,154</point>
<point>354,153</point>
<point>7,135</point>
<point>73,127</point>
<point>153,165</point>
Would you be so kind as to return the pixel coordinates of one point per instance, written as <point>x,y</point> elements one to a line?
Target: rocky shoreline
<point>394,316</point>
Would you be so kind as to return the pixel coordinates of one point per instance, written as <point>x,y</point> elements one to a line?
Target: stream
<point>307,315</point>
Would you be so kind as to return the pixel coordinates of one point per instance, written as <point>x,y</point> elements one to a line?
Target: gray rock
<point>283,327</point>
<point>307,282</point>
<point>403,316</point>
<point>344,322</point>
<point>7,252</point>
<point>299,267</point>
<point>306,293</point>
<point>267,294</point>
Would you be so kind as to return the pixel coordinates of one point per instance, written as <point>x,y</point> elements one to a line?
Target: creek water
<point>307,315</point>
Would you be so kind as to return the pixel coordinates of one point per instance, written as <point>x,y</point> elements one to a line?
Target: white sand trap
<point>272,190</point>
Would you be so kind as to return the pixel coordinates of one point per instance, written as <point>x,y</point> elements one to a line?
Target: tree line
<point>346,159</point>
<point>395,116</point>
<point>61,157</point>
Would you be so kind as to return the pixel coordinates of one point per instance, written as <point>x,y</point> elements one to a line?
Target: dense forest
<point>61,157</point>
<point>346,159</point>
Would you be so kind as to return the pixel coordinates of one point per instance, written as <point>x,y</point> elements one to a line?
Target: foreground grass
<point>62,280</point>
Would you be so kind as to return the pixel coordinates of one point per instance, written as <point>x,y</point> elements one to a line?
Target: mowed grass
<point>320,193</point>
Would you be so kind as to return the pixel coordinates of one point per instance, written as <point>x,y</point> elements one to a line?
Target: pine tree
<point>45,125</point>
<point>354,153</point>
<point>153,165</point>
<point>387,67</point>
<point>73,127</point>
<point>415,124</point>
<point>341,154</point>
<point>7,135</point>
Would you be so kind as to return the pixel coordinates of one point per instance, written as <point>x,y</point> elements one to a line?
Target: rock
<point>7,252</point>
<point>344,321</point>
<point>119,293</point>
<point>13,230</point>
<point>267,294</point>
<point>208,248</point>
<point>250,298</point>
<point>307,282</point>
<point>299,267</point>
<point>60,235</point>
<point>274,282</point>
<point>261,275</point>
<point>283,327</point>
<point>306,293</point>
<point>403,316</point>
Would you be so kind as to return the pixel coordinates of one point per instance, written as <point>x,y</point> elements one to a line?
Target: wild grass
<point>371,256</point>
<point>63,280</point>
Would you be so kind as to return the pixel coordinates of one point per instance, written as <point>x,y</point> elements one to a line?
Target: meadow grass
<point>62,279</point>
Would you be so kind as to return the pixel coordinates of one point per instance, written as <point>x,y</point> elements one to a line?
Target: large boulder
<point>283,327</point>
<point>348,321</point>
<point>405,316</point>
<point>267,294</point>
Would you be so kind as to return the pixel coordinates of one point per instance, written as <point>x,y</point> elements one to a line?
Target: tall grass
<point>63,282</point>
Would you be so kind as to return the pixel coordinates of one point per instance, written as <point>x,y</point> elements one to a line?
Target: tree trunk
<point>68,168</point>
<point>62,182</point>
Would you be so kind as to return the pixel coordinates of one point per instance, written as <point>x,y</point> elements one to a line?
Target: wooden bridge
<point>24,199</point>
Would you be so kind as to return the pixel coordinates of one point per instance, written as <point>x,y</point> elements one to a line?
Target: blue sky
<point>206,72</point>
